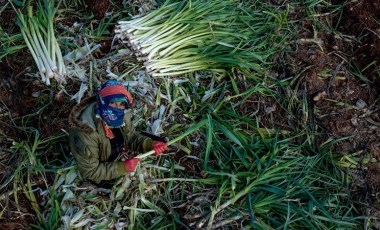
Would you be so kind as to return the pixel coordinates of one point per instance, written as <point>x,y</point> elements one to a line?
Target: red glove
<point>130,164</point>
<point>159,147</point>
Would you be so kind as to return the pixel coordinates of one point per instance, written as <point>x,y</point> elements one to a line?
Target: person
<point>102,133</point>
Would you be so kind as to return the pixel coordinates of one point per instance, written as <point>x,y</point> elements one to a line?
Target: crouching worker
<point>102,134</point>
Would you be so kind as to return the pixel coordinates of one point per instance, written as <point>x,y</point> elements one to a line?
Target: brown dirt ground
<point>341,104</point>
<point>345,105</point>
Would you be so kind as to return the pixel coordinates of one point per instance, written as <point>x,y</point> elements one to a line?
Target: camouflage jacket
<point>90,146</point>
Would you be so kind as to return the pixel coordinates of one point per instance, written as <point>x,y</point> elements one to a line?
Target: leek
<point>189,131</point>
<point>188,36</point>
<point>38,33</point>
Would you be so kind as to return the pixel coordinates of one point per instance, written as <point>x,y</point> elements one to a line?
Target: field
<point>281,132</point>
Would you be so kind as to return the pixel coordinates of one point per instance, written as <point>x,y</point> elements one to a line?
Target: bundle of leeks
<point>38,32</point>
<point>186,36</point>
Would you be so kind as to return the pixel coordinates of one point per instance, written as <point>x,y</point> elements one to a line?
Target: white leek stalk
<point>38,32</point>
<point>187,36</point>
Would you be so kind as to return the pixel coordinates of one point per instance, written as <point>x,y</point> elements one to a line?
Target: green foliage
<point>10,44</point>
<point>29,170</point>
<point>100,29</point>
<point>227,167</point>
<point>183,37</point>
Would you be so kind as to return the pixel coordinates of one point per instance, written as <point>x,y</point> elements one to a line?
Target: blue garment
<point>113,117</point>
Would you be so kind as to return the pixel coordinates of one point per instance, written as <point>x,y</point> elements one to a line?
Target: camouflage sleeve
<point>85,148</point>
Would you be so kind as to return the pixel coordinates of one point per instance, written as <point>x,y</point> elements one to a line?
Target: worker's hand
<point>130,164</point>
<point>159,147</point>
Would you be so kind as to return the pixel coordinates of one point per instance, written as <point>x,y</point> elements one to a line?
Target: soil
<point>342,105</point>
<point>345,105</point>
